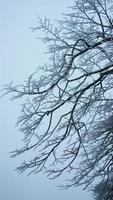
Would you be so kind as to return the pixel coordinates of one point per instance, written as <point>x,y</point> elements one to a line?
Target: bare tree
<point>104,190</point>
<point>67,115</point>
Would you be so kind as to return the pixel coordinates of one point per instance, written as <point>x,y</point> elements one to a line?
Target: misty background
<point>20,54</point>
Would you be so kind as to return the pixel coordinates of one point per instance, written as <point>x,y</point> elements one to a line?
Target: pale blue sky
<point>20,55</point>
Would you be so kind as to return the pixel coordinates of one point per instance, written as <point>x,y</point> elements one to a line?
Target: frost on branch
<point>67,114</point>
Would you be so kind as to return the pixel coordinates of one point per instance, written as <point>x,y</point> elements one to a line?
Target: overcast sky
<point>20,54</point>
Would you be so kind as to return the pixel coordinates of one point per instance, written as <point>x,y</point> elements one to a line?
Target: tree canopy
<point>104,190</point>
<point>67,115</point>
